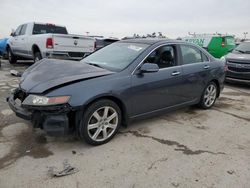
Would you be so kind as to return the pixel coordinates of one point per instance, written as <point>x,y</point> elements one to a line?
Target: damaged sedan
<point>124,81</point>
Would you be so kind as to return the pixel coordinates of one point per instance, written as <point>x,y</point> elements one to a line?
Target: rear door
<point>196,69</point>
<point>158,90</point>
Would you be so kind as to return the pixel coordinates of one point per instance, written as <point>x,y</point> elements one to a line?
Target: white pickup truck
<point>38,40</point>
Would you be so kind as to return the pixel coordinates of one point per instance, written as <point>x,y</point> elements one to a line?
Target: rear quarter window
<point>230,41</point>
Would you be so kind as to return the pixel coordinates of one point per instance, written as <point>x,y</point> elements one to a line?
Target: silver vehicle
<point>238,62</point>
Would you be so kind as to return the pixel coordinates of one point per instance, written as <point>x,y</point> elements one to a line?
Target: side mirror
<point>149,68</point>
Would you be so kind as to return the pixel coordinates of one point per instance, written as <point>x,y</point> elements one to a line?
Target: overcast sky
<point>123,18</point>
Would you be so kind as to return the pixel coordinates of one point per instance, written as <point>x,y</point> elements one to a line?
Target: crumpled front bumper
<point>53,119</point>
<point>19,111</point>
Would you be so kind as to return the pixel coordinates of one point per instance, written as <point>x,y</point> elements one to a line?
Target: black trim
<point>20,112</point>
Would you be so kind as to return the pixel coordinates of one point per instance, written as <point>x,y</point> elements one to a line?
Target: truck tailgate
<point>73,43</point>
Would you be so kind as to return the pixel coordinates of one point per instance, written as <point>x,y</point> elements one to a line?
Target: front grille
<point>239,66</point>
<point>239,62</point>
<point>235,69</point>
<point>76,54</point>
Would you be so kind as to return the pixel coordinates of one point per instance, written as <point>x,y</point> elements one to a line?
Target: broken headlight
<point>36,100</point>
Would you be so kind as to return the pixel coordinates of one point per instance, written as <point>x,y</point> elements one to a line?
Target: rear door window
<point>48,28</point>
<point>191,54</point>
<point>204,57</point>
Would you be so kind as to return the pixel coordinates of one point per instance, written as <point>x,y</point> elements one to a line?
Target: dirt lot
<point>185,148</point>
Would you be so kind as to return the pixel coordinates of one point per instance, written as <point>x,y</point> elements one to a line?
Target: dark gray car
<point>238,62</point>
<point>124,81</point>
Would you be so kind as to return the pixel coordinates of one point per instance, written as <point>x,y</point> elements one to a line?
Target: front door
<point>158,90</point>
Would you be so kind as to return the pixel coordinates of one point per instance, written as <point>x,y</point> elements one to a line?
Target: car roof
<point>151,41</point>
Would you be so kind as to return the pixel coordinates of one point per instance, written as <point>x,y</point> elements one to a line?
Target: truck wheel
<point>37,56</point>
<point>100,122</point>
<point>12,58</point>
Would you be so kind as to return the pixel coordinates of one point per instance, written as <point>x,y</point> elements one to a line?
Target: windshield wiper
<point>240,51</point>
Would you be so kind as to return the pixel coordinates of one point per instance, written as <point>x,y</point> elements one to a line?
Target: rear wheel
<point>100,122</point>
<point>37,56</point>
<point>11,57</point>
<point>209,96</point>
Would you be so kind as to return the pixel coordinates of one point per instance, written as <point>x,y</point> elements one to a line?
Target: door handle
<point>175,73</point>
<point>206,67</point>
<point>22,38</point>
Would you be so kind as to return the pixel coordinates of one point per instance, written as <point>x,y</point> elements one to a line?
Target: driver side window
<point>18,30</point>
<point>164,57</point>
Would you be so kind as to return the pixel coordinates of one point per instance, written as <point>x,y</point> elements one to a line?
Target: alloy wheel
<point>102,123</point>
<point>210,95</point>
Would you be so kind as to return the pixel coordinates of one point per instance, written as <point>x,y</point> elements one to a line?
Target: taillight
<point>49,43</point>
<point>223,44</point>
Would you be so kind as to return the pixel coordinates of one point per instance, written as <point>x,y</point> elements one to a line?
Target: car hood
<point>238,57</point>
<point>49,73</point>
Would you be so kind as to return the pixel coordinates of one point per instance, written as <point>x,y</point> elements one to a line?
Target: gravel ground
<point>186,148</point>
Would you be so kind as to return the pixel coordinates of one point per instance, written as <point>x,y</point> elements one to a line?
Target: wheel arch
<point>35,49</point>
<point>116,100</point>
<point>218,86</point>
<point>7,47</point>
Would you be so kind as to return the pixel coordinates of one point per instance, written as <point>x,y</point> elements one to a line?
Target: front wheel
<point>100,122</point>
<point>209,96</point>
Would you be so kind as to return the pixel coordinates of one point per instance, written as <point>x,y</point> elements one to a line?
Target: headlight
<point>36,100</point>
<point>223,58</point>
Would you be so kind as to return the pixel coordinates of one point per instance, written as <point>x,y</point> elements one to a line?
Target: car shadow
<point>23,63</point>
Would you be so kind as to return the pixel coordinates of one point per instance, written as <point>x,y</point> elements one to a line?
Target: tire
<point>100,122</point>
<point>5,56</point>
<point>209,96</point>
<point>11,57</point>
<point>37,56</point>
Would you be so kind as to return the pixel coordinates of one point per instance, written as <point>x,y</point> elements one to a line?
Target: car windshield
<point>116,56</point>
<point>243,48</point>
